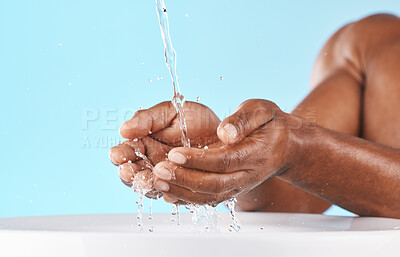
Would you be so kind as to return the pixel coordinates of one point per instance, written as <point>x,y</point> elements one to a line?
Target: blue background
<point>65,62</point>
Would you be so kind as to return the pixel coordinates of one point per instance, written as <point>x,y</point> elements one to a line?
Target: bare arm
<point>335,103</point>
<point>356,174</point>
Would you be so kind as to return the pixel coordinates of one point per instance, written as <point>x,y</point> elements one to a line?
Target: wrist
<point>301,135</point>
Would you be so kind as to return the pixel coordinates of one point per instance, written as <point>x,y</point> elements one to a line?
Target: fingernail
<point>178,158</point>
<point>231,130</point>
<point>170,199</point>
<point>161,185</point>
<point>163,173</point>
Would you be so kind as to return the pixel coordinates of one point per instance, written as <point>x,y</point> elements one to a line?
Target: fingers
<point>222,159</point>
<point>201,123</point>
<point>125,152</point>
<point>143,181</point>
<point>127,171</point>
<point>148,121</point>
<point>249,116</point>
<point>188,196</point>
<point>134,174</point>
<point>199,181</point>
<point>154,194</point>
<point>171,199</point>
<point>154,150</point>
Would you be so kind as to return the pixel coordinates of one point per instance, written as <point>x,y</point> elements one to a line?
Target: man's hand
<point>154,132</point>
<point>257,146</point>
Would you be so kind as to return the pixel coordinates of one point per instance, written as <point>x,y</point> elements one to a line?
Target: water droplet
<point>59,44</point>
<point>142,63</point>
<point>151,229</point>
<point>198,98</point>
<point>69,84</point>
<point>221,78</point>
<point>135,140</point>
<point>159,78</point>
<point>206,147</point>
<point>140,107</point>
<point>150,132</point>
<point>150,80</point>
<point>186,15</point>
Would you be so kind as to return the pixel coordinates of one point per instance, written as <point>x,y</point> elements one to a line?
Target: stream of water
<point>204,217</point>
<point>178,100</point>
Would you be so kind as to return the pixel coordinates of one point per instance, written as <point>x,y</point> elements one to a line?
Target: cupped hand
<point>258,145</point>
<point>154,132</point>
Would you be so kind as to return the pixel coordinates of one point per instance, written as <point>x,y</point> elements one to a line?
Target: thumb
<point>148,121</point>
<point>249,116</point>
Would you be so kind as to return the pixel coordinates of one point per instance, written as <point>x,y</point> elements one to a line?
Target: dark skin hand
<point>274,161</point>
<point>157,132</point>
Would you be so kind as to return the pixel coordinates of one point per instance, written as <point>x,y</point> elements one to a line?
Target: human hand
<point>154,132</point>
<point>258,145</point>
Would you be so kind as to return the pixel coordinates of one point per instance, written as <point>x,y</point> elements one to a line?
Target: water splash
<point>204,218</point>
<point>146,160</point>
<point>231,205</point>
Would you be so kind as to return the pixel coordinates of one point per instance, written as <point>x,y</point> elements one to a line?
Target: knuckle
<point>225,164</point>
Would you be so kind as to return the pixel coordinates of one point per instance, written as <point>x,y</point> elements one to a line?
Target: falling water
<point>151,228</point>
<point>178,99</point>
<point>231,205</point>
<point>204,218</point>
<point>138,188</point>
<point>199,213</point>
<point>139,203</point>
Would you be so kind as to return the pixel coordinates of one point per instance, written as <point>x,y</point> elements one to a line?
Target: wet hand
<point>258,146</point>
<point>154,132</point>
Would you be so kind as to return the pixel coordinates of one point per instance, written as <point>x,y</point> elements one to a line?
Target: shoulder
<point>353,46</point>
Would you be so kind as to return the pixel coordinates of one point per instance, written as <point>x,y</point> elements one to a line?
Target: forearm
<point>353,173</point>
<point>276,195</point>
